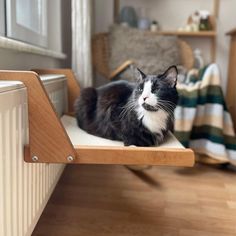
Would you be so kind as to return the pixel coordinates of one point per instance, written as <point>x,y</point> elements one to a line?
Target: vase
<point>128,16</point>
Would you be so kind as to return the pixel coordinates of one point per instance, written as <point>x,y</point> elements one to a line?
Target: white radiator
<point>24,188</point>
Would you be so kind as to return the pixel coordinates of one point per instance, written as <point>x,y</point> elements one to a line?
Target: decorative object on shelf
<point>128,16</point>
<point>144,24</point>
<point>198,21</point>
<point>198,59</point>
<point>204,23</point>
<point>192,23</point>
<point>154,26</point>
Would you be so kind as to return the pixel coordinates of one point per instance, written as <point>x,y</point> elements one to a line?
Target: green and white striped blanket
<point>202,121</point>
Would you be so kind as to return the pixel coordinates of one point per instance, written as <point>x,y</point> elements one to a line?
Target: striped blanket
<point>202,121</point>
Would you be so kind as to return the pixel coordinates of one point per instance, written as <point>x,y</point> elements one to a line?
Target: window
<point>2,21</point>
<point>26,20</point>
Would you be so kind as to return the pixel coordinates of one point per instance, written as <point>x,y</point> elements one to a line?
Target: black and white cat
<point>138,114</point>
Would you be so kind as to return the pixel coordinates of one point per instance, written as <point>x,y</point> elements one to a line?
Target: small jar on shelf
<point>154,26</point>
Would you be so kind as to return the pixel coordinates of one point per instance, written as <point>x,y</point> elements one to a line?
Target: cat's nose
<point>145,98</point>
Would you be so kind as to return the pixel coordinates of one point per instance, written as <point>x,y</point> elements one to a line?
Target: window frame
<point>19,32</point>
<point>2,18</point>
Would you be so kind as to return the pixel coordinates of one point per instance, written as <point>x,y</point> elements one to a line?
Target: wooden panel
<point>231,95</point>
<point>47,137</point>
<point>116,10</point>
<point>126,156</point>
<point>120,69</point>
<point>73,85</point>
<point>216,7</point>
<point>231,32</point>
<point>135,155</point>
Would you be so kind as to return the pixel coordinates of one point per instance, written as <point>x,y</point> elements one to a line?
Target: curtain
<point>81,41</point>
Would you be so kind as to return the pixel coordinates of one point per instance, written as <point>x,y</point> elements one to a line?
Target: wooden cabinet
<point>231,86</point>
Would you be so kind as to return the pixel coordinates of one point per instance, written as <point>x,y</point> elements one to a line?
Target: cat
<point>139,114</point>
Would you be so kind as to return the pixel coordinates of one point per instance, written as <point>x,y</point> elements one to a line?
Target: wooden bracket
<point>48,139</point>
<point>50,143</point>
<point>72,83</point>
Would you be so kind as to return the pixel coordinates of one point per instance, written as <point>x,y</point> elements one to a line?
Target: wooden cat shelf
<point>54,140</point>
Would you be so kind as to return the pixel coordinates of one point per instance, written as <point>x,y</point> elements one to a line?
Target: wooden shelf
<point>186,34</point>
<point>231,32</point>
<point>49,141</point>
<point>201,34</point>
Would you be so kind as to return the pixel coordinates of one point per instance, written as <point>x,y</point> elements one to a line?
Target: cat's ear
<point>139,74</point>
<point>170,76</point>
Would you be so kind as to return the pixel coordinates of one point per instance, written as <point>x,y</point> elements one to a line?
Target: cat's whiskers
<point>167,102</point>
<point>169,108</point>
<point>131,105</point>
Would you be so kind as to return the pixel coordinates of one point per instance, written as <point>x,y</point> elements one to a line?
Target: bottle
<point>198,60</point>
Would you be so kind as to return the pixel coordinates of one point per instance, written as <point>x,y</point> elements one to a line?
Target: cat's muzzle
<point>149,107</point>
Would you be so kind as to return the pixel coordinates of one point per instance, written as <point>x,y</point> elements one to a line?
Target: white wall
<point>12,60</point>
<point>54,27</point>
<point>103,15</point>
<point>172,14</point>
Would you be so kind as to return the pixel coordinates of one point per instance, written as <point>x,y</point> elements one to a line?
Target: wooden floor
<point>112,200</point>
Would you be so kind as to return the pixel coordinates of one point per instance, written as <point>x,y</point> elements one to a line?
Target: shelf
<point>231,32</point>
<point>186,34</point>
<point>52,140</point>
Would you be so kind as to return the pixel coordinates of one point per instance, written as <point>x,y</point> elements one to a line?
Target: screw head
<point>35,158</point>
<point>70,158</point>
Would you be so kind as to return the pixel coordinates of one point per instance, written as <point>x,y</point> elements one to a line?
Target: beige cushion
<point>80,137</point>
<point>151,53</point>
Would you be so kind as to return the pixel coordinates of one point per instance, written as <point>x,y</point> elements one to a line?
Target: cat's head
<point>154,92</point>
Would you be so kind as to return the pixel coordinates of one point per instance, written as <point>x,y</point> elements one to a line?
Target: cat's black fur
<point>110,111</point>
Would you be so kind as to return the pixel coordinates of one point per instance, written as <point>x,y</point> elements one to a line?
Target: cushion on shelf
<point>150,52</point>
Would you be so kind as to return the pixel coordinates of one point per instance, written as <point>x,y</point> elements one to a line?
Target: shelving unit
<point>200,34</point>
<point>209,34</point>
<point>230,94</point>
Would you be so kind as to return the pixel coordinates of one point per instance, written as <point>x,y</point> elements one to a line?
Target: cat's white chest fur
<point>155,121</point>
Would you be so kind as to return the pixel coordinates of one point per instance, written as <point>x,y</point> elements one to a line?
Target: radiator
<point>24,187</point>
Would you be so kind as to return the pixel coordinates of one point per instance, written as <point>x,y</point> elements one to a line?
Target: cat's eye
<point>140,88</point>
<point>155,88</point>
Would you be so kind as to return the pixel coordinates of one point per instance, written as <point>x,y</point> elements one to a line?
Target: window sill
<point>28,48</point>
